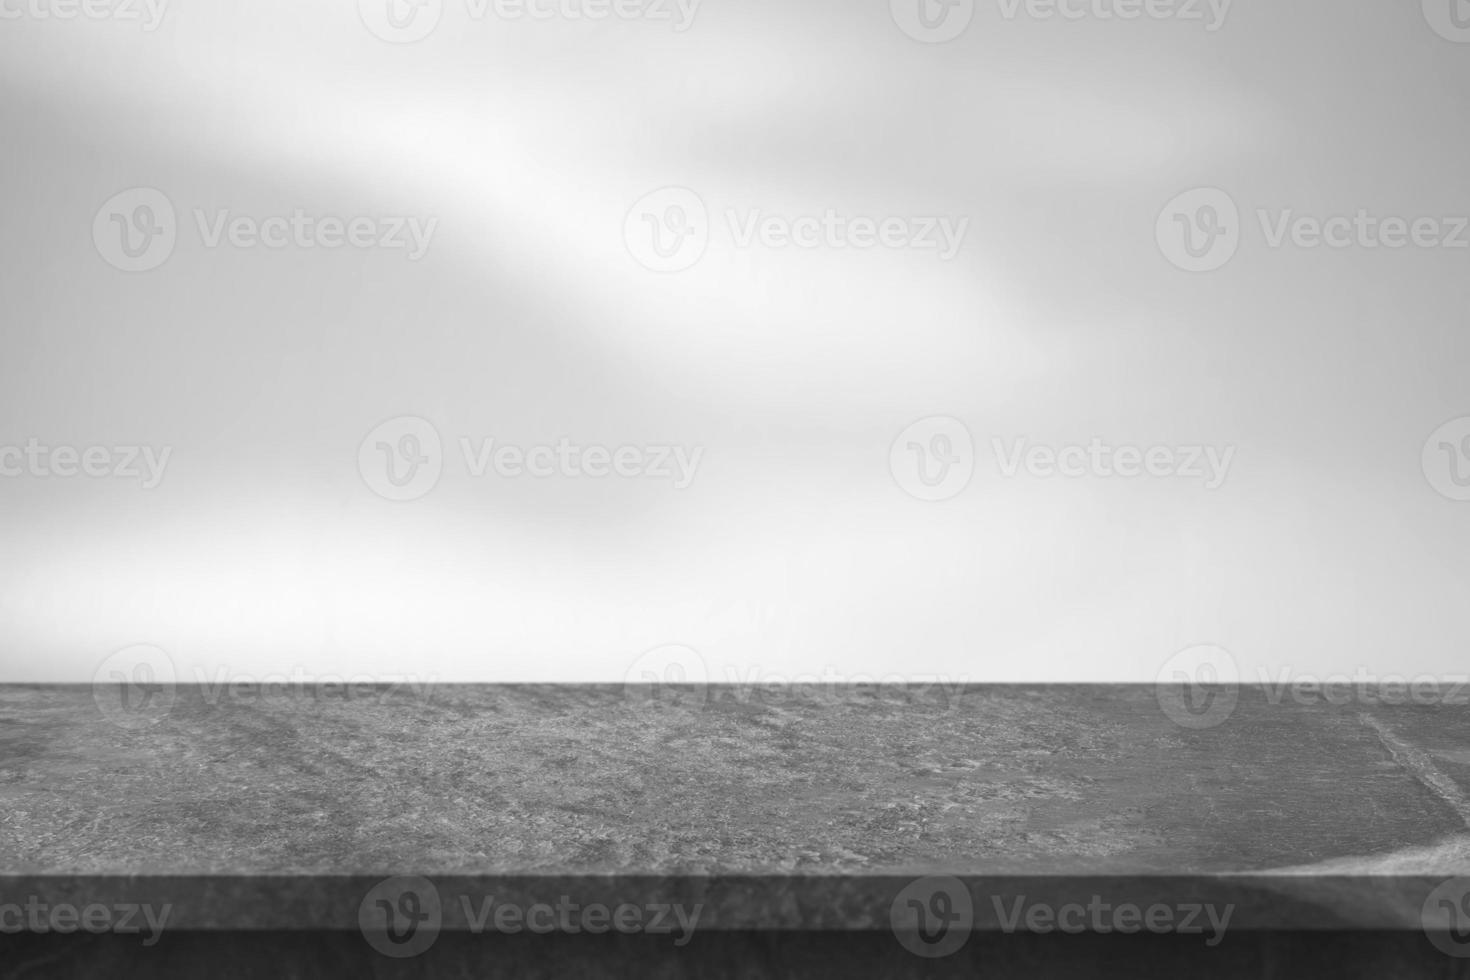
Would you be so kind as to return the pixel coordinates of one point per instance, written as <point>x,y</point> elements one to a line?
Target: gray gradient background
<point>794,551</point>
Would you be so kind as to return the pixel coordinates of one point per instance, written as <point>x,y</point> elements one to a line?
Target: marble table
<point>812,828</point>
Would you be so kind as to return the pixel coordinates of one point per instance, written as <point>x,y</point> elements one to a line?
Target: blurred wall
<point>842,276</point>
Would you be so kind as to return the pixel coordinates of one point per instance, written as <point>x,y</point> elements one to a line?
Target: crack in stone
<point>1418,763</point>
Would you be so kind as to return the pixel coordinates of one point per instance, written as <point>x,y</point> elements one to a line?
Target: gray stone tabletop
<point>793,807</point>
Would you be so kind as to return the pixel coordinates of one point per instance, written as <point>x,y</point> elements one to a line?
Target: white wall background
<point>1330,545</point>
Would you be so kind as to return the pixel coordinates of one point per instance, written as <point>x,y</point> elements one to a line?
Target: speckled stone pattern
<point>795,807</point>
